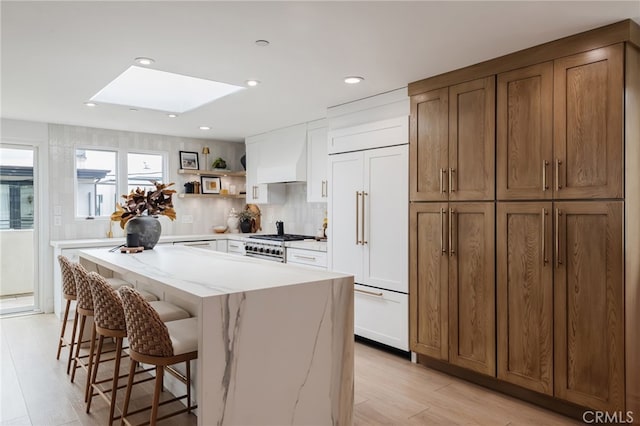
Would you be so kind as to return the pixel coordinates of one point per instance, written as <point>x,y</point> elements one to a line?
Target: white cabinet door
<point>263,193</point>
<point>386,218</point>
<point>317,185</point>
<point>344,238</point>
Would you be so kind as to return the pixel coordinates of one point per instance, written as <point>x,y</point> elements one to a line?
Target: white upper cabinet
<point>378,134</point>
<point>317,184</point>
<point>260,193</point>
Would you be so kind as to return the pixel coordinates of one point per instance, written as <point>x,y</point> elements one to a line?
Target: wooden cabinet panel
<point>429,141</point>
<point>429,313</point>
<point>524,133</point>
<point>525,295</point>
<point>588,137</point>
<point>472,140</point>
<point>472,286</point>
<point>589,319</point>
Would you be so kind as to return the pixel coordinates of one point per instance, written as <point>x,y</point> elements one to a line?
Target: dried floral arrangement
<point>154,203</point>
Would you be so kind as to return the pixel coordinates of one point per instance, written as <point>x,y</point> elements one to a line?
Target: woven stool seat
<point>154,342</point>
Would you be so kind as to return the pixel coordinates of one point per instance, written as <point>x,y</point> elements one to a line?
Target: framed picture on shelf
<point>210,185</point>
<point>189,160</point>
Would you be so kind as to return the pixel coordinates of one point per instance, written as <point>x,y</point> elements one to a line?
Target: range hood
<point>283,156</point>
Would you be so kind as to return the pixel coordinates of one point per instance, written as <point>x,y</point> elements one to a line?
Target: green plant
<point>154,203</point>
<point>219,163</point>
<point>246,215</point>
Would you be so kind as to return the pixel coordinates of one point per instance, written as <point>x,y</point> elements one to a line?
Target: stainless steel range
<point>270,247</point>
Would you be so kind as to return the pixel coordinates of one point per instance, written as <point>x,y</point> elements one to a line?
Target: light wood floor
<point>389,390</point>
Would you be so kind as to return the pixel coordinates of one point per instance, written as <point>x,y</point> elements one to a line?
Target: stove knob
<point>261,250</point>
<point>278,252</point>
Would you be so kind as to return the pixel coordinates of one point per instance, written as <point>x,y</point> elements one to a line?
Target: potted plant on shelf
<point>246,218</point>
<point>139,213</point>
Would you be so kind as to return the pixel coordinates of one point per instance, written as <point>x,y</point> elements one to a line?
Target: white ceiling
<point>56,55</point>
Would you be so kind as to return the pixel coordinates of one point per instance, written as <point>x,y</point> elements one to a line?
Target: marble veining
<point>275,342</point>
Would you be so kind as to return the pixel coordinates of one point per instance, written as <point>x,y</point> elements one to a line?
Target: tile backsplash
<point>299,216</point>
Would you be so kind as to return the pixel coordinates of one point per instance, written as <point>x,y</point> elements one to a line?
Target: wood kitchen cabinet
<point>453,283</point>
<point>453,143</point>
<point>567,242</point>
<point>525,294</point>
<point>559,128</point>
<point>588,304</point>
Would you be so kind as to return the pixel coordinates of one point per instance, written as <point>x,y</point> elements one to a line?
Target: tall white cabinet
<point>368,221</point>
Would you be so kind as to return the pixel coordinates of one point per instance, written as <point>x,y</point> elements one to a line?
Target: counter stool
<point>110,323</point>
<point>69,294</point>
<point>160,344</point>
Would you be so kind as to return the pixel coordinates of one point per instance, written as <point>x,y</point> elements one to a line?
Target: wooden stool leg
<point>78,344</point>
<point>90,365</point>
<point>73,340</point>
<point>156,395</point>
<point>116,374</point>
<point>64,327</point>
<point>94,373</point>
<point>127,396</point>
<point>188,363</point>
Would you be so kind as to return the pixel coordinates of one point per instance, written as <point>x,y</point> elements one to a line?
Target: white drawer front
<point>307,257</point>
<point>382,316</point>
<point>235,247</point>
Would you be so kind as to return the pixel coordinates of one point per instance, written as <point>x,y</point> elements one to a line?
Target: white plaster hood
<point>283,156</point>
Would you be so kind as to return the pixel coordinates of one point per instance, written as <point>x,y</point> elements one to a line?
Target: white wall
<point>202,213</point>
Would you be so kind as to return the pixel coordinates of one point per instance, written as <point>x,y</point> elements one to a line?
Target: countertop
<point>168,239</point>
<point>205,273</point>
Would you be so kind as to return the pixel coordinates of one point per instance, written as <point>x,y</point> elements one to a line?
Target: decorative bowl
<point>221,229</point>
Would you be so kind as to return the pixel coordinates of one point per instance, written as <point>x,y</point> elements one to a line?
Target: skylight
<point>161,90</point>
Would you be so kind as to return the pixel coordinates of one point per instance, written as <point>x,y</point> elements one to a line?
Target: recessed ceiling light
<point>133,109</point>
<point>90,104</point>
<point>171,115</point>
<point>353,79</point>
<point>140,87</point>
<point>205,128</point>
<point>144,61</point>
<point>252,83</point>
<point>262,43</point>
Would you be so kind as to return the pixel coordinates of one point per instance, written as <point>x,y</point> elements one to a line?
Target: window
<point>142,170</point>
<point>16,189</point>
<point>96,183</point>
<point>100,185</point>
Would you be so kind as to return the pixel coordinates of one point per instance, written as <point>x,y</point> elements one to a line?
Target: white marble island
<point>276,341</point>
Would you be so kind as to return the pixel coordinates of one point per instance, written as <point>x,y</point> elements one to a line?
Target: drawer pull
<point>370,293</point>
<point>234,246</point>
<point>299,256</point>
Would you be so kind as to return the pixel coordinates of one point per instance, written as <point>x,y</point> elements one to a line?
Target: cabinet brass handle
<point>558,163</point>
<point>364,194</point>
<point>324,189</point>
<point>444,250</point>
<point>558,260</point>
<point>544,237</point>
<point>545,163</point>
<point>370,293</point>
<point>358,218</point>
<point>452,249</point>
<point>451,172</point>
<point>442,191</point>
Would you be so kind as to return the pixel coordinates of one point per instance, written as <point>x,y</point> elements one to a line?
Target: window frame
<point>122,178</point>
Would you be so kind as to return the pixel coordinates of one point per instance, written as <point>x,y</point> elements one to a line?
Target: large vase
<point>147,229</point>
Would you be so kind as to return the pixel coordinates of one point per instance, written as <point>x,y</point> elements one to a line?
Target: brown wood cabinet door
<point>428,277</point>
<point>472,337</point>
<point>472,145</point>
<point>588,123</point>
<point>428,146</point>
<point>524,133</point>
<point>589,315</point>
<point>525,295</point>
